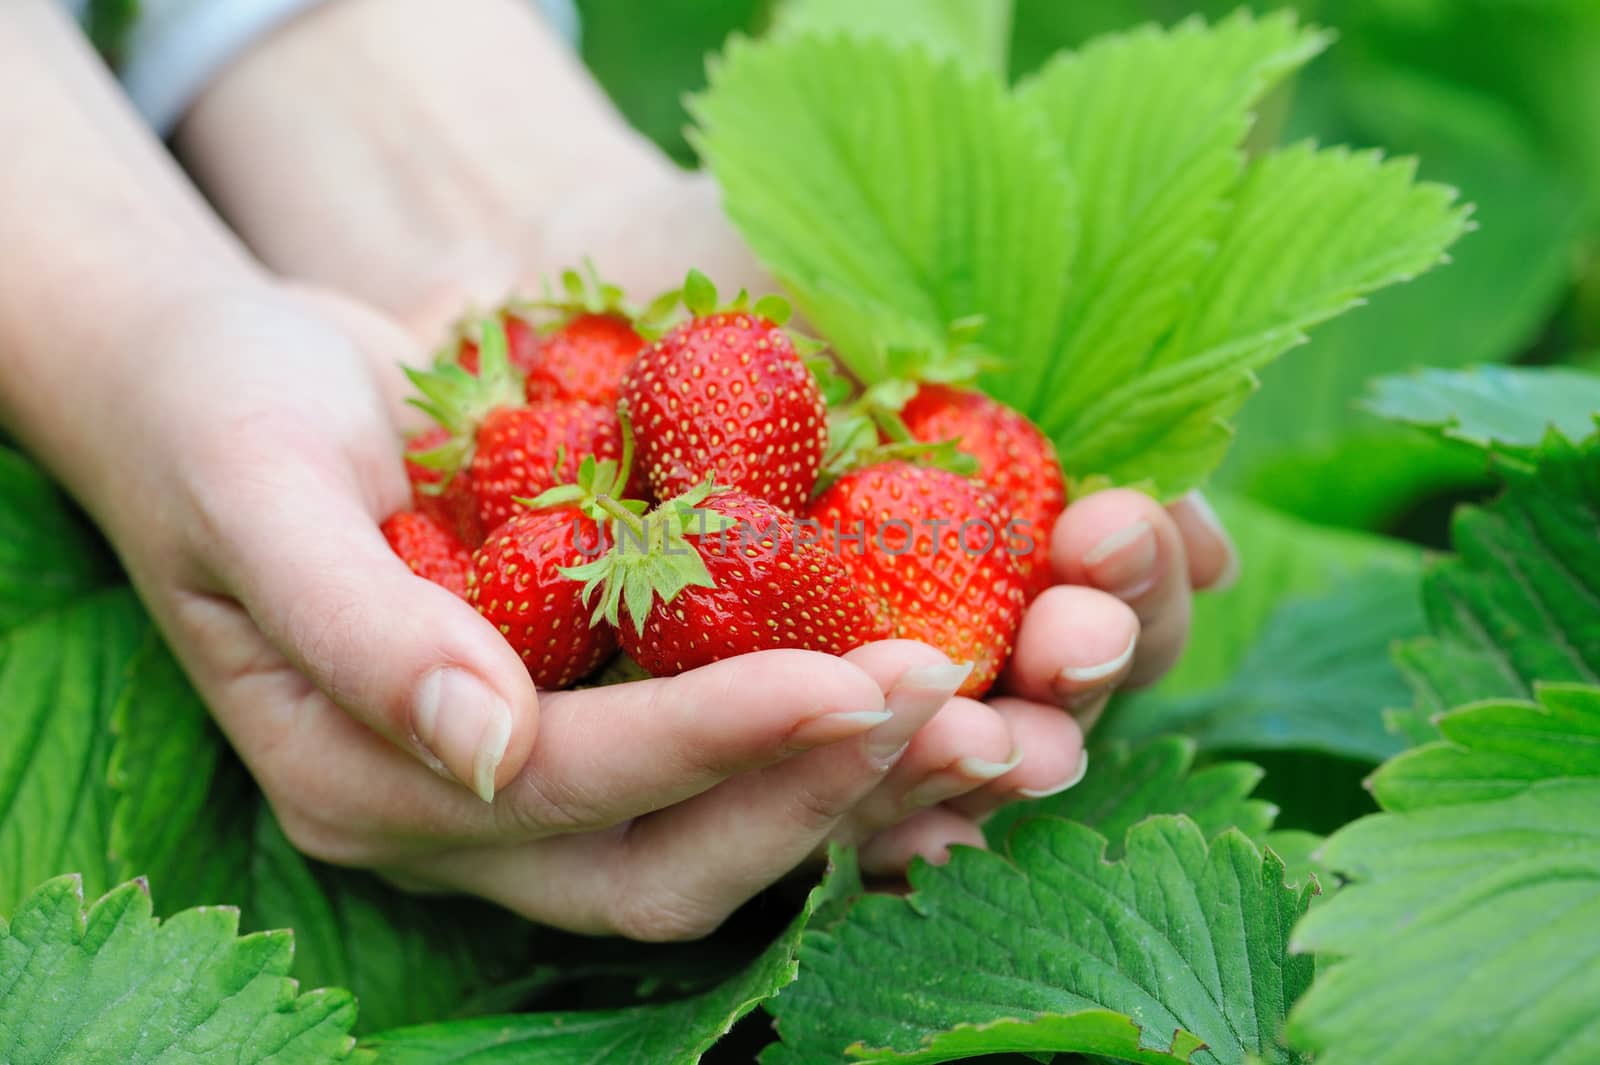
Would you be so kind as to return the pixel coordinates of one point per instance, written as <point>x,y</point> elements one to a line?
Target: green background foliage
<point>1407,664</point>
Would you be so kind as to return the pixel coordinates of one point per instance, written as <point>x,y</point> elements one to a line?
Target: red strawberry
<point>584,359</point>
<point>522,344</point>
<point>516,583</point>
<point>432,551</point>
<point>503,448</point>
<point>726,395</point>
<point>721,575</point>
<point>1015,460</point>
<point>516,451</point>
<point>931,546</point>
<point>451,504</point>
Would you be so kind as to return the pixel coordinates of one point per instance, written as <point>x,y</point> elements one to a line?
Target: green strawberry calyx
<point>597,479</point>
<point>651,558</point>
<point>460,401</point>
<point>587,293</point>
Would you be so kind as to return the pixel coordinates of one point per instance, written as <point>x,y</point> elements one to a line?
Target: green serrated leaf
<point>1521,603</point>
<point>675,1033</point>
<point>112,986</point>
<point>975,31</point>
<point>183,809</point>
<point>1309,233</point>
<point>1318,678</point>
<point>1150,123</point>
<point>1126,784</point>
<point>1510,407</point>
<point>1495,749</point>
<point>996,953</point>
<point>892,193</point>
<point>1467,935</point>
<point>48,555</point>
<point>61,677</point>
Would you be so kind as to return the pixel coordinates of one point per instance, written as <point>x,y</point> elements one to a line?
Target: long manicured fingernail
<point>1200,507</point>
<point>831,728</point>
<point>1076,678</point>
<point>965,775</point>
<point>1124,563</point>
<point>1072,781</point>
<point>460,721</point>
<point>919,694</point>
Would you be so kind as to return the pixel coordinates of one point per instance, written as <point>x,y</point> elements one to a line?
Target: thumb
<point>403,656</point>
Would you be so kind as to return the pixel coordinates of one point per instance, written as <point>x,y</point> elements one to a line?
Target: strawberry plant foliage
<point>1175,952</point>
<point>1504,406</point>
<point>1467,934</point>
<point>1130,269</point>
<point>1519,603</point>
<point>114,986</point>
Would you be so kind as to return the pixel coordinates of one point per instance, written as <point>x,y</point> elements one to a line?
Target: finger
<point>678,873</point>
<point>401,655</point>
<point>1053,758</point>
<point>966,745</point>
<point>686,868</point>
<point>1213,559</point>
<point>609,754</point>
<point>1126,544</point>
<point>1074,644</point>
<point>929,835</point>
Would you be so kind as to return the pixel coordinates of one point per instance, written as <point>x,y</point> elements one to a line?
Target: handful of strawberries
<point>597,481</point>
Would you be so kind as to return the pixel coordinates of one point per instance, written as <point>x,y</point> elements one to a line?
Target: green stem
<point>622,514</point>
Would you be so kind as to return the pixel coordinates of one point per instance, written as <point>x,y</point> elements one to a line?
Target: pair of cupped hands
<point>242,454</point>
<point>375,709</point>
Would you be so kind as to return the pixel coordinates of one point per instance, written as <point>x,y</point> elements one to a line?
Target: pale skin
<point>224,399</point>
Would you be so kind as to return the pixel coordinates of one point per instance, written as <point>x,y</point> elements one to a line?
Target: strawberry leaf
<point>48,555</point>
<point>1309,232</point>
<point>977,31</point>
<point>1052,948</point>
<point>1507,407</point>
<point>891,192</point>
<point>1519,603</point>
<point>1129,783</point>
<point>675,1033</point>
<point>1128,268</point>
<point>1467,931</point>
<point>113,986</point>
<point>61,676</point>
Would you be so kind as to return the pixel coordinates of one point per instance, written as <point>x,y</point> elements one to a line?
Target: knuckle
<point>816,811</point>
<point>321,838</point>
<point>543,807</point>
<point>654,917</point>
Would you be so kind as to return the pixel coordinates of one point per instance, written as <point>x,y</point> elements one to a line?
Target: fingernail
<point>1072,781</point>
<point>831,728</point>
<point>1206,514</point>
<point>964,776</point>
<point>914,699</point>
<point>1124,563</point>
<point>460,721</point>
<point>1075,677</point>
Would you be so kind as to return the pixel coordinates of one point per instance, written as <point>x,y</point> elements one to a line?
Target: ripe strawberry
<point>726,395</point>
<point>1015,460</point>
<point>504,448</point>
<point>515,581</point>
<point>931,547</point>
<point>452,504</point>
<point>584,359</point>
<point>519,452</point>
<point>432,551</point>
<point>708,576</point>
<point>522,344</point>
